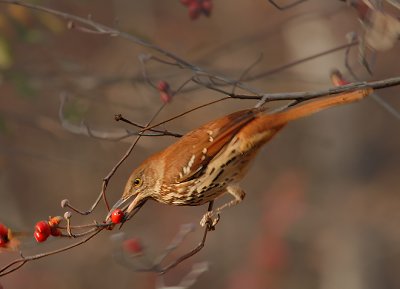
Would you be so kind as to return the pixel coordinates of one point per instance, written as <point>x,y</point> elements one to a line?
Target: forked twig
<point>194,251</point>
<point>113,170</point>
<point>157,266</point>
<point>18,263</point>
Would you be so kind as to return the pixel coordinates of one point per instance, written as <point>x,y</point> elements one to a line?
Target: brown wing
<point>194,150</point>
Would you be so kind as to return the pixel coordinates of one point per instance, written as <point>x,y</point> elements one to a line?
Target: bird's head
<point>139,188</point>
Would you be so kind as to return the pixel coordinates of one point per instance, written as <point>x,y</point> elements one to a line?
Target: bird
<point>211,160</point>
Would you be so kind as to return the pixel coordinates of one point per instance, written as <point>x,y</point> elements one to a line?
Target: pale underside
<point>225,170</point>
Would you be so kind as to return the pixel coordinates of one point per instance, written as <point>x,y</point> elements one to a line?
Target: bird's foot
<point>209,220</point>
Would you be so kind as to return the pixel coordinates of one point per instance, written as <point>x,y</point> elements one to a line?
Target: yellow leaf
<point>21,14</point>
<point>5,54</point>
<point>52,22</point>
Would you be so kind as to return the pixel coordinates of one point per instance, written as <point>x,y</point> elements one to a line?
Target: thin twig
<point>307,95</point>
<point>18,263</point>
<point>114,33</point>
<point>112,135</point>
<point>300,61</point>
<point>200,246</point>
<point>385,105</point>
<point>156,267</point>
<point>186,112</point>
<point>112,172</point>
<point>287,6</point>
<point>247,70</point>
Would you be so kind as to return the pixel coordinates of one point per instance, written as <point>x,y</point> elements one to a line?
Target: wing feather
<point>191,154</point>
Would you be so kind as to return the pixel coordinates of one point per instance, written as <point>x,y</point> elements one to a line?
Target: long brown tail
<point>264,127</point>
<point>281,118</point>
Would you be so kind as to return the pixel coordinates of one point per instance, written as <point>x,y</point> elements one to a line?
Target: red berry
<point>43,228</point>
<point>165,97</point>
<point>3,242</point>
<point>207,7</point>
<point>40,237</point>
<point>3,231</point>
<point>55,232</point>
<point>117,216</point>
<point>194,10</point>
<point>163,86</point>
<point>133,246</point>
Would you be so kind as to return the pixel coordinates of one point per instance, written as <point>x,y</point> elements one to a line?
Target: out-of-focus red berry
<point>117,216</point>
<point>194,10</point>
<point>55,232</point>
<point>43,227</point>
<point>165,97</point>
<point>133,246</point>
<point>3,231</point>
<point>40,237</point>
<point>3,241</point>
<point>207,7</point>
<point>162,85</point>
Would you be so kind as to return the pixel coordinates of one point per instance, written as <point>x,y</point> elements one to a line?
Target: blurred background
<point>323,197</point>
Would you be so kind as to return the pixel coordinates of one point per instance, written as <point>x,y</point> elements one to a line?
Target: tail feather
<point>264,127</point>
<point>281,118</point>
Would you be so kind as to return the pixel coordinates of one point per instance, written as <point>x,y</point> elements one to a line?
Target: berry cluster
<point>165,91</point>
<point>197,7</point>
<point>4,236</point>
<point>43,229</point>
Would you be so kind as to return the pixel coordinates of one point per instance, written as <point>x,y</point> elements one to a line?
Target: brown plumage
<point>211,160</point>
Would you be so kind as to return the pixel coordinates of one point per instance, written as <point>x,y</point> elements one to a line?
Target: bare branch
<point>18,263</point>
<point>307,95</point>
<point>156,266</point>
<point>103,29</point>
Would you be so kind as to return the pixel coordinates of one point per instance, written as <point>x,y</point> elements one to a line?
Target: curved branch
<point>103,29</point>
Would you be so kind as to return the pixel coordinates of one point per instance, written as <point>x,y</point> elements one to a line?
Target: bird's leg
<point>238,195</point>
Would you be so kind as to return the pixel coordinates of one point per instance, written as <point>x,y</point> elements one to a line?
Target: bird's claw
<point>209,221</point>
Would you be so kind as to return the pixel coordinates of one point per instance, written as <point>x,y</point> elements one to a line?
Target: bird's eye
<point>137,182</point>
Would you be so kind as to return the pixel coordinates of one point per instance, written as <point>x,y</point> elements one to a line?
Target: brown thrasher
<point>211,160</point>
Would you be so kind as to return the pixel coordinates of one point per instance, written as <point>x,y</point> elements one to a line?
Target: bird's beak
<point>129,206</point>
